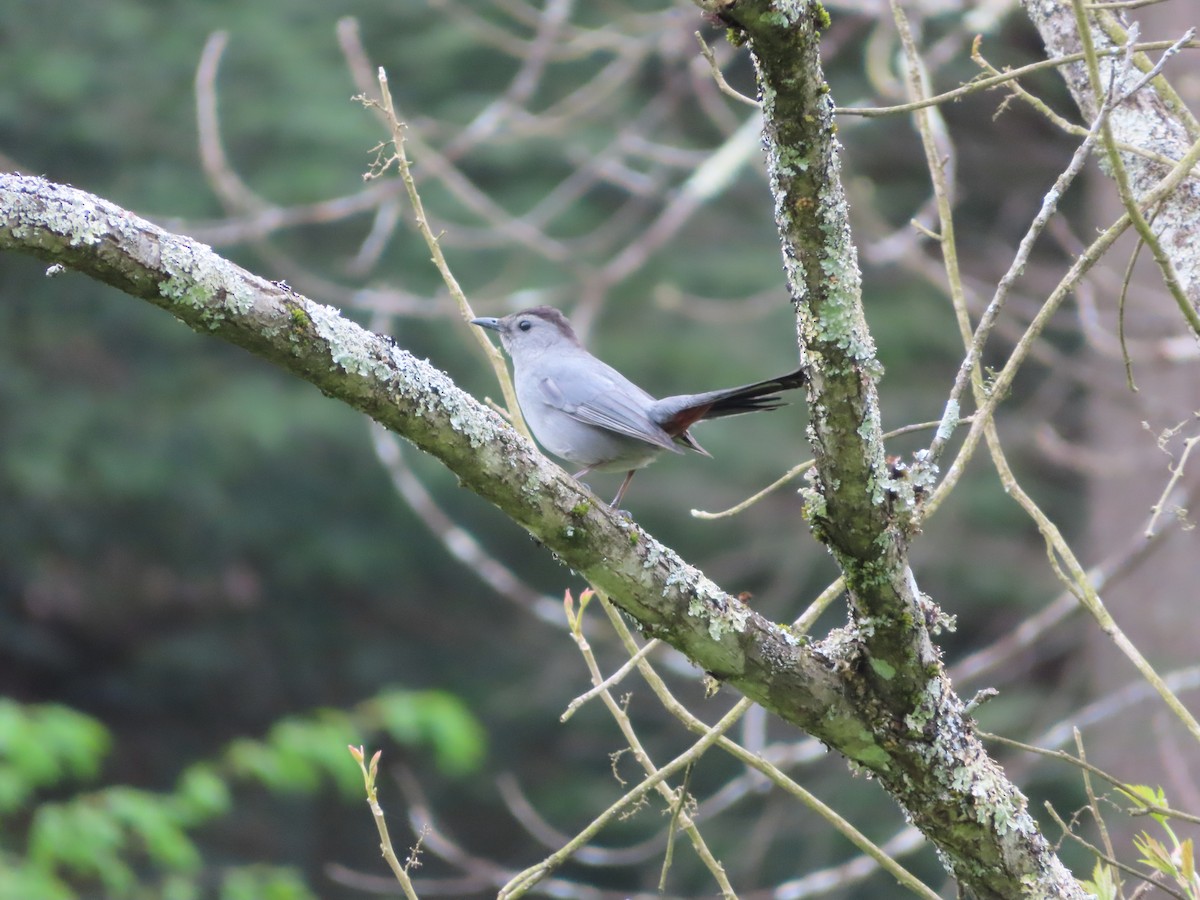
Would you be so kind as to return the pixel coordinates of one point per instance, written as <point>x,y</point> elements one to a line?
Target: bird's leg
<point>616,504</point>
<point>580,474</point>
<point>620,492</point>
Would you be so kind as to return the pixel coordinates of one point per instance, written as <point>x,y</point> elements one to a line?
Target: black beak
<point>487,322</point>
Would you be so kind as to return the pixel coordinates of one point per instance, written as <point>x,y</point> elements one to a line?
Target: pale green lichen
<point>950,420</point>
<point>791,160</point>
<point>883,669</point>
<point>80,227</point>
<point>465,420</point>
<point>35,206</point>
<point>351,347</point>
<point>706,601</point>
<point>654,553</point>
<point>926,710</point>
<point>534,485</point>
<point>723,614</point>
<point>789,637</point>
<point>200,279</point>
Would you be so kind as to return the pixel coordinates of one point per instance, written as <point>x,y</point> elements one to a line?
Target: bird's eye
<point>524,324</point>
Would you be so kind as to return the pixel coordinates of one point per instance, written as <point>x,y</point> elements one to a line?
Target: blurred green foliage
<point>43,745</point>
<point>123,839</point>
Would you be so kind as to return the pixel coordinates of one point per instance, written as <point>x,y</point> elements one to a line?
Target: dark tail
<point>753,397</point>
<point>677,414</point>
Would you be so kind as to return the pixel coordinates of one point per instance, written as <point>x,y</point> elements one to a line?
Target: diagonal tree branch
<point>672,600</point>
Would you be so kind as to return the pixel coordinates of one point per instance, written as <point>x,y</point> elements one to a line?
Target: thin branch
<point>552,838</point>
<point>397,128</point>
<point>719,77</point>
<point>1077,582</point>
<point>1115,863</point>
<point>986,83</point>
<point>1117,165</point>
<point>1176,473</point>
<point>234,192</point>
<point>968,369</point>
<point>1083,264</point>
<point>617,711</point>
<point>370,772</point>
<point>1122,4</point>
<point>755,761</point>
<point>1103,576</point>
<point>611,681</point>
<point>521,883</point>
<point>797,470</point>
<point>458,541</point>
<point>1093,802</point>
<point>1084,766</point>
<point>480,873</point>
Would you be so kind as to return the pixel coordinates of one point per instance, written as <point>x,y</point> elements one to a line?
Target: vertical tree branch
<point>932,762</point>
<point>1152,119</point>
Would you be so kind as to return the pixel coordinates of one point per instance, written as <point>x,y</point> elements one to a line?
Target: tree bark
<point>1153,120</point>
<point>1136,470</point>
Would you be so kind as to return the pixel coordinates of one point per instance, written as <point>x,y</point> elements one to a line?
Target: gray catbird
<point>590,414</point>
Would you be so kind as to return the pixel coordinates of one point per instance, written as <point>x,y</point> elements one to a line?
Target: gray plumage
<point>585,411</point>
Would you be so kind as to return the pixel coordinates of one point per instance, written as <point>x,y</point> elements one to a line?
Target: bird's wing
<point>609,400</point>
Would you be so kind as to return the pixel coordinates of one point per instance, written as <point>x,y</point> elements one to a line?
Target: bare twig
<point>968,369</point>
<point>791,787</point>
<point>986,83</point>
<point>611,681</point>
<point>459,542</point>
<point>370,772</point>
<point>398,156</point>
<point>719,77</point>
<point>576,621</point>
<point>1176,471</point>
<point>797,470</point>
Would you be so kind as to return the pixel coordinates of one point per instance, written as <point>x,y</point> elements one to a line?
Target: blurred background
<point>212,578</point>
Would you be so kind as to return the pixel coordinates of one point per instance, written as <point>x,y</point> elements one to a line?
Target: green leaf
<point>45,743</point>
<point>436,718</point>
<point>1144,795</point>
<point>1103,884</point>
<point>84,839</point>
<point>1154,853</point>
<point>79,741</point>
<point>151,818</point>
<point>180,887</point>
<point>201,794</point>
<point>255,761</point>
<point>264,883</point>
<point>14,788</point>
<point>27,881</point>
<point>311,747</point>
<point>459,740</point>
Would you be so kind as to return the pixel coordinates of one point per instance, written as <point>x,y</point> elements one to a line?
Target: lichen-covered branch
<point>934,764</point>
<point>671,600</point>
<point>853,504</point>
<point>1153,119</point>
